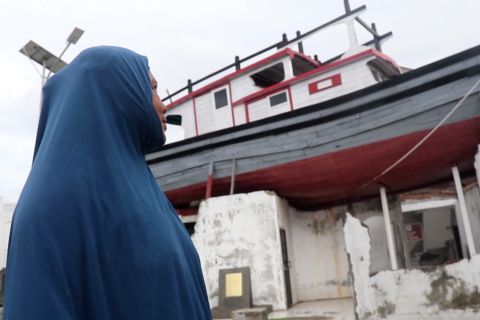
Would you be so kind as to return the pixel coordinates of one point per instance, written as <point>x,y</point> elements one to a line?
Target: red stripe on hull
<point>336,176</point>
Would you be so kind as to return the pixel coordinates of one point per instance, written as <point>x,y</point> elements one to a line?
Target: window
<point>378,73</point>
<point>301,65</point>
<point>269,76</point>
<point>278,99</point>
<point>221,98</point>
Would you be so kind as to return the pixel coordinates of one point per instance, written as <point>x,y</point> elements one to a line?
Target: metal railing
<point>285,42</point>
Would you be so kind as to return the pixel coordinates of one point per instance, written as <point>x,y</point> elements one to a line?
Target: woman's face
<point>157,102</point>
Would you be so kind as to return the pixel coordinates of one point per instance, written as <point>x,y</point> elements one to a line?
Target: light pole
<point>47,60</point>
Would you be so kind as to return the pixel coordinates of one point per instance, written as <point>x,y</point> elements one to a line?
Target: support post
<point>189,85</point>
<point>463,211</point>
<point>208,191</point>
<point>232,176</point>
<point>284,39</point>
<point>400,227</point>
<point>376,40</point>
<point>300,44</point>
<point>237,63</point>
<point>477,165</point>
<point>44,77</point>
<point>388,229</point>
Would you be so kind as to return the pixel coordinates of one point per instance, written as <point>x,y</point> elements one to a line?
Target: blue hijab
<point>93,236</point>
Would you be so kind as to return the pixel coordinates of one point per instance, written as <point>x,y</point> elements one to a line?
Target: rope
<point>406,155</point>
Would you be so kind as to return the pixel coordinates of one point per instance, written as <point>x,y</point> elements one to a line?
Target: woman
<point>93,237</point>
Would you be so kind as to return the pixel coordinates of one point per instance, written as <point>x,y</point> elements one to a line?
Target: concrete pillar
<point>392,252</point>
<point>400,228</point>
<point>463,211</point>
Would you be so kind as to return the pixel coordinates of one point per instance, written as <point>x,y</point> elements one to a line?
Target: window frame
<point>214,92</point>
<point>284,92</point>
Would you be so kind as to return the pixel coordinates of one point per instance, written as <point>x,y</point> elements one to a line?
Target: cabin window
<point>301,65</point>
<point>269,76</point>
<point>221,98</point>
<point>378,74</point>
<point>278,99</point>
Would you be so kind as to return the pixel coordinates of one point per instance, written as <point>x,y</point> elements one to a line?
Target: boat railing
<point>297,40</point>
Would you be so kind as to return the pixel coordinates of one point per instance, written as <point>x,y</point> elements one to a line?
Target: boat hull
<point>334,151</point>
<point>348,175</point>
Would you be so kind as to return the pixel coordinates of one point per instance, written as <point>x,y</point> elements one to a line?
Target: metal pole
<point>58,59</point>
<point>463,211</point>
<point>388,228</point>
<point>209,187</point>
<point>44,78</point>
<point>300,44</point>
<point>477,165</point>
<point>232,177</point>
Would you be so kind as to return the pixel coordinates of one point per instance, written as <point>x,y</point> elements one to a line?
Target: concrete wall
<point>6,213</point>
<point>242,231</point>
<point>378,242</point>
<point>320,260</point>
<point>370,214</point>
<point>449,292</point>
<point>472,201</point>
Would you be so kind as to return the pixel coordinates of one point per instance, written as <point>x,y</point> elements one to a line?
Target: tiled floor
<point>337,309</point>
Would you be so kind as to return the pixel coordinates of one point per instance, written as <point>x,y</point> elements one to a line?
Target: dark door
<point>286,267</point>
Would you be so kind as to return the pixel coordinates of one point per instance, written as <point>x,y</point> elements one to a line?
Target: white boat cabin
<point>282,82</point>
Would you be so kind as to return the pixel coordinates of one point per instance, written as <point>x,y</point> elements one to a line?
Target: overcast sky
<point>189,39</point>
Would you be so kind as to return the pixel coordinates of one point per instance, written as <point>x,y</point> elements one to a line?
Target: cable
<point>424,138</point>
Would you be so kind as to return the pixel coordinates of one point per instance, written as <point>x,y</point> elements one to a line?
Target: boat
<point>322,133</point>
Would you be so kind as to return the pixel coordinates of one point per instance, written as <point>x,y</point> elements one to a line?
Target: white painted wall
<point>239,114</point>
<point>355,76</point>
<point>6,213</point>
<point>188,117</point>
<point>242,231</point>
<point>261,109</point>
<point>205,113</point>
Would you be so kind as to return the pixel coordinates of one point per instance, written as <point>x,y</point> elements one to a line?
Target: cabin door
<point>286,267</point>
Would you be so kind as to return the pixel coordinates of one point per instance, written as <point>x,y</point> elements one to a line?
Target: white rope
<point>406,155</point>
